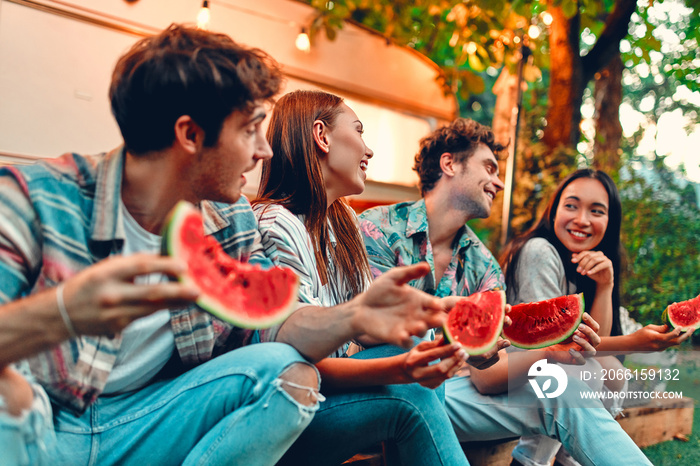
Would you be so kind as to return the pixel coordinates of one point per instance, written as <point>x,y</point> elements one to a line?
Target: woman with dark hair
<point>574,248</point>
<point>305,224</point>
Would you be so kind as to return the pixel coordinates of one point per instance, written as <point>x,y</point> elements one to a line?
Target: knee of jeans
<point>16,394</point>
<point>301,381</point>
<point>416,400</point>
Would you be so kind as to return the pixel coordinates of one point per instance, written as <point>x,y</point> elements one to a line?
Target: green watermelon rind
<point>666,317</point>
<point>475,351</point>
<point>176,218</point>
<point>563,336</point>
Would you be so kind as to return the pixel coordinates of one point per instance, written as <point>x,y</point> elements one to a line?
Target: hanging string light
<point>203,16</point>
<point>303,42</point>
<point>533,31</point>
<point>547,18</point>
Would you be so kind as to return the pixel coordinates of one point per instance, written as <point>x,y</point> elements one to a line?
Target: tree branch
<point>608,43</point>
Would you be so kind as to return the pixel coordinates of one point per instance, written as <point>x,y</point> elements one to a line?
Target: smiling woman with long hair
<point>320,157</point>
<point>295,180</point>
<point>581,228</point>
<point>575,248</point>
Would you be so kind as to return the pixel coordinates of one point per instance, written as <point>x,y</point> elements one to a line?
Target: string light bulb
<point>547,18</point>
<point>533,31</point>
<point>303,42</point>
<point>203,16</point>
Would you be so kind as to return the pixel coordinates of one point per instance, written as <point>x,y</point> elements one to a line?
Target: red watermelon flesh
<point>544,323</point>
<point>476,321</point>
<point>243,294</point>
<point>684,315</point>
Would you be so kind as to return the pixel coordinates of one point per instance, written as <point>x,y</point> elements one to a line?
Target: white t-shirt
<point>147,343</point>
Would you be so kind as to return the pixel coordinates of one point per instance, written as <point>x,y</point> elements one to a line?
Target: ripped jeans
<point>230,410</point>
<point>24,440</point>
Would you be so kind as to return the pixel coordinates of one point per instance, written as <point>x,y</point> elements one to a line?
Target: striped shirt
<point>287,243</point>
<point>397,235</point>
<point>61,216</point>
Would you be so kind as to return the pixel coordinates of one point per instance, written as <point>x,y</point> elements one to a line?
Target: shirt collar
<point>417,218</point>
<point>213,214</point>
<point>107,222</point>
<point>107,218</point>
<point>417,222</point>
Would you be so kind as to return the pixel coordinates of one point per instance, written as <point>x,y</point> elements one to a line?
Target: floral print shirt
<point>397,235</point>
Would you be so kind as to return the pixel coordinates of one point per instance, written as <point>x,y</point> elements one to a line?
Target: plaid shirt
<point>398,235</point>
<point>60,217</point>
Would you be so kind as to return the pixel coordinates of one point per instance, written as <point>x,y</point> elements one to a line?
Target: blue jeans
<point>589,433</point>
<point>25,440</point>
<point>410,417</point>
<point>230,410</point>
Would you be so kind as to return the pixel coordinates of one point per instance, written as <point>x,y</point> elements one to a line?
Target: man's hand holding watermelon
<point>100,300</point>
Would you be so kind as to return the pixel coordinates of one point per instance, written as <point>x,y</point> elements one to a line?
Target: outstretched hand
<point>658,338</point>
<point>103,299</point>
<point>582,346</point>
<point>391,311</point>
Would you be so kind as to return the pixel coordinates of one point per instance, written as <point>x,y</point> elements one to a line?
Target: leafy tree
<point>660,224</point>
<point>474,40</point>
<point>661,227</point>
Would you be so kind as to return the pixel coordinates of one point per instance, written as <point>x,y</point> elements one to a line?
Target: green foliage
<point>660,231</point>
<point>674,452</point>
<point>538,170</point>
<point>470,40</point>
<point>479,107</point>
<point>666,37</point>
<point>463,38</point>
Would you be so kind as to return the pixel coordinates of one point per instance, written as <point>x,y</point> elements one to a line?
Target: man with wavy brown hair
<point>135,371</point>
<point>458,174</point>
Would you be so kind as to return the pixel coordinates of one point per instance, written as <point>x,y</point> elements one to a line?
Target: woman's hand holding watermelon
<point>416,363</point>
<point>583,344</point>
<point>489,358</point>
<point>657,338</point>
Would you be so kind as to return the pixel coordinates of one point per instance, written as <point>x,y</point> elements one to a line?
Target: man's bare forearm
<point>30,325</point>
<point>316,331</point>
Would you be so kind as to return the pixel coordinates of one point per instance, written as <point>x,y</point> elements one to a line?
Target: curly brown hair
<point>460,138</point>
<point>186,71</point>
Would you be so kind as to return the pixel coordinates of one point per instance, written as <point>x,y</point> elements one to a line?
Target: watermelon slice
<point>476,321</point>
<point>684,315</point>
<point>544,323</point>
<point>243,294</point>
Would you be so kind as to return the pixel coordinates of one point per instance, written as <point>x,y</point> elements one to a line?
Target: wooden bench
<point>658,421</point>
<point>490,452</point>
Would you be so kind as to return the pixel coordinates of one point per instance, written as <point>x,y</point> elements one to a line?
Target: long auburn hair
<point>609,245</point>
<point>293,179</point>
